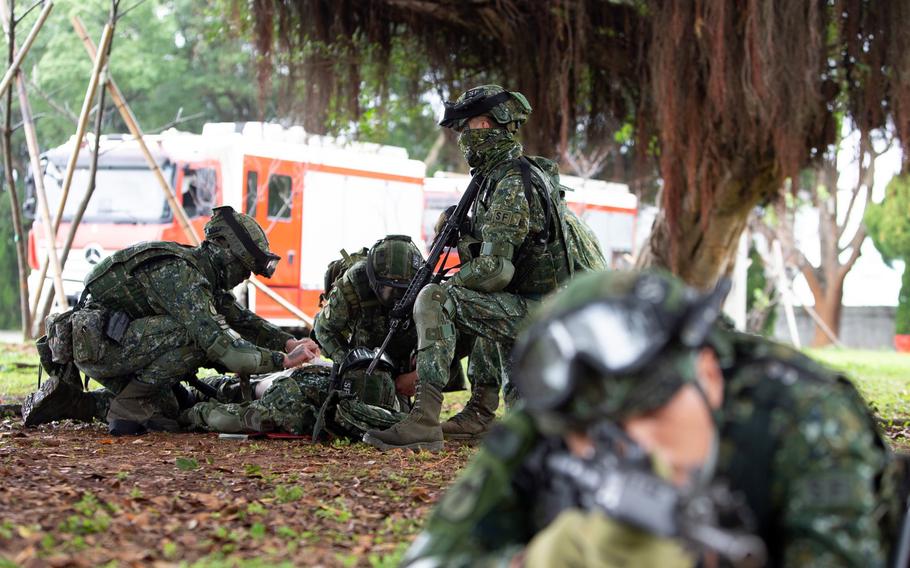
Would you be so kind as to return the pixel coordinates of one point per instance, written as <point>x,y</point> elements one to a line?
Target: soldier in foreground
<point>156,312</point>
<point>634,367</point>
<point>513,253</point>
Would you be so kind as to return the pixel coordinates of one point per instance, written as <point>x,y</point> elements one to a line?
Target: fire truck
<point>313,196</point>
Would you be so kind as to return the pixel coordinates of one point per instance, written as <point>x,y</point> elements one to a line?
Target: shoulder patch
<point>504,216</point>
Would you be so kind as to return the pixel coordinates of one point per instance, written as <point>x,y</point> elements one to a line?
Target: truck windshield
<point>122,195</point>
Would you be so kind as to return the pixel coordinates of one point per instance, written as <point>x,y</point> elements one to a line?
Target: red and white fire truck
<point>313,196</point>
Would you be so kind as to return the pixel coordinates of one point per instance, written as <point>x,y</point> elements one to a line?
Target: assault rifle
<point>403,308</point>
<point>628,491</point>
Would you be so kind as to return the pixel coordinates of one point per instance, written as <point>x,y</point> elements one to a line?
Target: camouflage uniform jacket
<point>796,440</point>
<point>506,223</point>
<point>163,278</point>
<point>354,317</point>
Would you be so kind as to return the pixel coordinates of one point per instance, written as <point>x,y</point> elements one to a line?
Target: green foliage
<point>888,224</point>
<point>186,464</point>
<point>286,494</point>
<point>9,271</point>
<point>756,299</point>
<point>91,518</point>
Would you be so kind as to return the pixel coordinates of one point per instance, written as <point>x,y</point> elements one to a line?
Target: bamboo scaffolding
<point>97,66</point>
<point>26,45</point>
<point>34,154</point>
<point>179,213</point>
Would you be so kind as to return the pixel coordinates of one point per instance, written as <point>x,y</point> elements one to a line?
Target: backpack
<point>337,268</point>
<point>584,248</point>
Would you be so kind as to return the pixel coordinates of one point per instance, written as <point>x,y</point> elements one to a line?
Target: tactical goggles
<point>264,263</point>
<point>457,112</point>
<point>611,337</point>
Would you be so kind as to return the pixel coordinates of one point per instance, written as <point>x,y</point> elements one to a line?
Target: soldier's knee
<point>222,419</point>
<point>433,312</point>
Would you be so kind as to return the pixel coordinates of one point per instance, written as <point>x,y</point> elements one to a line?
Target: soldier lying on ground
<point>291,401</point>
<point>356,313</point>
<point>640,356</point>
<point>151,315</point>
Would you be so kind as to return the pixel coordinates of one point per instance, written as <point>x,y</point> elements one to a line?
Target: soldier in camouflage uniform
<point>513,253</point>
<point>157,311</point>
<point>290,401</point>
<point>642,352</point>
<point>357,311</point>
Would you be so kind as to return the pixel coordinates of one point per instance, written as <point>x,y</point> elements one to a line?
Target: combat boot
<point>476,417</point>
<point>420,430</point>
<point>58,399</point>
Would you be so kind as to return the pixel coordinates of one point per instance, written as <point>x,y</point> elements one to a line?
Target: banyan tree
<point>727,99</point>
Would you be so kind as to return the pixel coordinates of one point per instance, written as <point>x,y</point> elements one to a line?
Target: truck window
<point>252,193</point>
<point>279,197</point>
<point>199,191</point>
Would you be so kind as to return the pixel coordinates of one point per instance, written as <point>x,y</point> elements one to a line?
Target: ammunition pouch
<point>59,338</point>
<point>88,333</point>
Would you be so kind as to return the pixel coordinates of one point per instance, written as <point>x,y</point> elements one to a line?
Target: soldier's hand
<point>406,384</point>
<point>301,354</point>
<point>310,345</point>
<point>580,538</point>
<point>441,221</point>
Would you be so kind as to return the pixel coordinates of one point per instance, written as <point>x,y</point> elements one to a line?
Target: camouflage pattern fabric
<point>291,405</point>
<point>796,441</point>
<point>354,317</point>
<point>179,310</point>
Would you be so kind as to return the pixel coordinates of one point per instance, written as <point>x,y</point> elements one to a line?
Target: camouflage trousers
<point>153,355</point>
<point>288,401</point>
<point>444,314</point>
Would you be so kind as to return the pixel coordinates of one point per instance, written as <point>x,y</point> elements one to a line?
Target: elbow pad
<point>485,274</point>
<point>240,356</point>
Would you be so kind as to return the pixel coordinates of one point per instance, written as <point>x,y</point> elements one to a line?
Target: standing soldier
<point>157,311</point>
<point>513,253</point>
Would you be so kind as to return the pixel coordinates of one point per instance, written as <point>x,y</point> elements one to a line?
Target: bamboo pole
<point>179,213</point>
<point>106,36</point>
<point>34,154</point>
<point>26,45</point>
<point>14,196</point>
<point>133,125</point>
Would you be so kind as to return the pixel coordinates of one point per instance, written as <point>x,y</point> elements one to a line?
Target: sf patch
<point>504,217</point>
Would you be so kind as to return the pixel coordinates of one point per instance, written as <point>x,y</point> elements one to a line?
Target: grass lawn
<point>883,377</point>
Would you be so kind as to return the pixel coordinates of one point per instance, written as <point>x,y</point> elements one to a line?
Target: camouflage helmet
<point>391,263</point>
<point>612,345</point>
<point>507,108</point>
<point>244,238</point>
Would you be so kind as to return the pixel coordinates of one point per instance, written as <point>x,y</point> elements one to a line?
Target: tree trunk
<point>828,306</point>
<point>701,252</point>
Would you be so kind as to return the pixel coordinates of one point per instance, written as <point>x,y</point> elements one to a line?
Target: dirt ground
<point>71,495</point>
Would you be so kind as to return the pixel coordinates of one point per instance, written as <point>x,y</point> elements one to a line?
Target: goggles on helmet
<point>456,112</point>
<point>612,337</point>
<point>264,263</point>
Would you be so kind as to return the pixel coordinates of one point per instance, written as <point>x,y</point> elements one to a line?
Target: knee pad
<point>433,311</point>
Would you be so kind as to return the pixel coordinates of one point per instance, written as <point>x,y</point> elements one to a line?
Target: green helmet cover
<point>391,263</point>
<point>244,238</point>
<point>612,345</point>
<point>506,108</point>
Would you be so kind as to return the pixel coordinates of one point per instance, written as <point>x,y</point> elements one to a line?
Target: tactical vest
<point>542,261</point>
<point>371,318</point>
<point>763,379</point>
<point>113,284</point>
